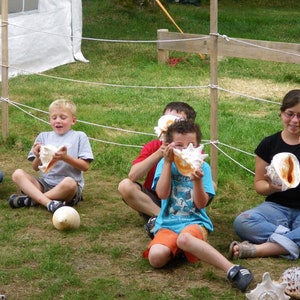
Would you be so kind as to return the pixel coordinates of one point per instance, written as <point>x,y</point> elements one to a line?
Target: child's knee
<point>18,173</point>
<point>126,187</point>
<point>159,255</point>
<point>123,186</point>
<point>69,183</point>
<point>183,240</point>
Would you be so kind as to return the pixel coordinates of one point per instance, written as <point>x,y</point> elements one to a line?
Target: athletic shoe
<point>240,277</point>
<point>16,201</point>
<point>54,205</point>
<point>149,227</point>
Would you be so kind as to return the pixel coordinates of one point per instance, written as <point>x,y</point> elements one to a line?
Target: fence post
<point>162,55</point>
<point>4,69</point>
<point>213,87</point>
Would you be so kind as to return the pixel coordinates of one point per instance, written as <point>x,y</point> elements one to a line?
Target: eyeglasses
<point>291,115</point>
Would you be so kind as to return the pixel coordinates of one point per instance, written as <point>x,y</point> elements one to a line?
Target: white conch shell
<point>291,277</point>
<point>189,159</point>
<point>66,217</point>
<point>268,290</point>
<point>284,170</point>
<point>163,123</point>
<point>46,157</point>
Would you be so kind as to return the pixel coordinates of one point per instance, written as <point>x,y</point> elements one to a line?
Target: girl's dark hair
<point>181,107</point>
<point>183,127</point>
<point>291,99</point>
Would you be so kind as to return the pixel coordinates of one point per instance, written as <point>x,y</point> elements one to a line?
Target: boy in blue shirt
<point>182,224</point>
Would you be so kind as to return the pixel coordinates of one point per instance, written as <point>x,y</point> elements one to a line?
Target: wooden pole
<point>213,88</point>
<point>4,69</point>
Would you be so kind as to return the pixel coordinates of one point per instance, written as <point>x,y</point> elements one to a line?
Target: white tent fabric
<point>43,39</point>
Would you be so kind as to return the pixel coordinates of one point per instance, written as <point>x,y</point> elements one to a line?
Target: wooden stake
<point>4,73</point>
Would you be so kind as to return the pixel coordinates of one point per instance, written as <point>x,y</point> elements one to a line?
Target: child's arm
<point>77,163</point>
<point>163,187</point>
<point>36,161</point>
<point>201,198</point>
<point>140,169</point>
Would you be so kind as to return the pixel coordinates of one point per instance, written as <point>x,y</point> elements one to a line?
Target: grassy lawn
<point>102,259</point>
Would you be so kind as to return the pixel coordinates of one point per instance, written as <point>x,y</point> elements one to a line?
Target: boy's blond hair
<point>64,103</point>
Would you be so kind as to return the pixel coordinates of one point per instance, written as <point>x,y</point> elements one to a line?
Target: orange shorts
<point>168,238</point>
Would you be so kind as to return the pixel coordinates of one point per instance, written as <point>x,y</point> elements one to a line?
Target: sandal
<point>246,250</point>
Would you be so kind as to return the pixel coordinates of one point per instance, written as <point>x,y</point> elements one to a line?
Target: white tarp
<point>44,39</point>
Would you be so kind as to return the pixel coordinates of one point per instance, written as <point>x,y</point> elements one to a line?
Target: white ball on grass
<point>66,217</point>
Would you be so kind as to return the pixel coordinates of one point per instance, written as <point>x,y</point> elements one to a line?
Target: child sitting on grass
<point>63,184</point>
<point>182,225</point>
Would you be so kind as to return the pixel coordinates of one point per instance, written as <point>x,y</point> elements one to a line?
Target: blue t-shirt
<point>179,210</point>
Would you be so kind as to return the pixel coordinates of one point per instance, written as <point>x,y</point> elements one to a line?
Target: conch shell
<point>46,157</point>
<point>284,170</point>
<point>291,277</point>
<point>162,126</point>
<point>66,217</point>
<point>268,290</point>
<point>189,159</point>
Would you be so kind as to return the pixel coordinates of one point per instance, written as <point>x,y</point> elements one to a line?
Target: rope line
<point>248,96</point>
<point>16,104</point>
<point>22,107</point>
<point>111,40</point>
<point>204,142</point>
<point>161,41</point>
<point>150,87</point>
<point>235,161</point>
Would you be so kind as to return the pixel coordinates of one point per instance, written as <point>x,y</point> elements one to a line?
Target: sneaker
<point>54,205</point>
<point>240,277</point>
<point>16,201</point>
<point>149,227</point>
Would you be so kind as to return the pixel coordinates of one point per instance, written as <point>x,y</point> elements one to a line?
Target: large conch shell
<point>66,217</point>
<point>268,290</point>
<point>46,157</point>
<point>291,277</point>
<point>284,170</point>
<point>162,126</point>
<point>190,159</point>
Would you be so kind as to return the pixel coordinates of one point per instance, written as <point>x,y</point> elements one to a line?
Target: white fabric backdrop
<point>30,46</point>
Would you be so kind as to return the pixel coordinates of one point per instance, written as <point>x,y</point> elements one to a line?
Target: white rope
<point>234,148</point>
<point>111,40</point>
<point>248,96</point>
<point>205,142</point>
<point>228,39</point>
<point>235,161</point>
<point>16,104</point>
<point>160,41</point>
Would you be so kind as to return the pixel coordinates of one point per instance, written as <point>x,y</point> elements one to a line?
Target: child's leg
<point>239,276</point>
<point>201,249</point>
<point>162,248</point>
<point>64,191</point>
<point>30,186</point>
<point>23,179</point>
<point>159,255</point>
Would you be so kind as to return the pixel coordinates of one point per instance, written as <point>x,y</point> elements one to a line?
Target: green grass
<point>102,259</point>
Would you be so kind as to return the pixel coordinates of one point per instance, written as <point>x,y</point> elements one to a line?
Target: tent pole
<point>213,87</point>
<point>4,73</point>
